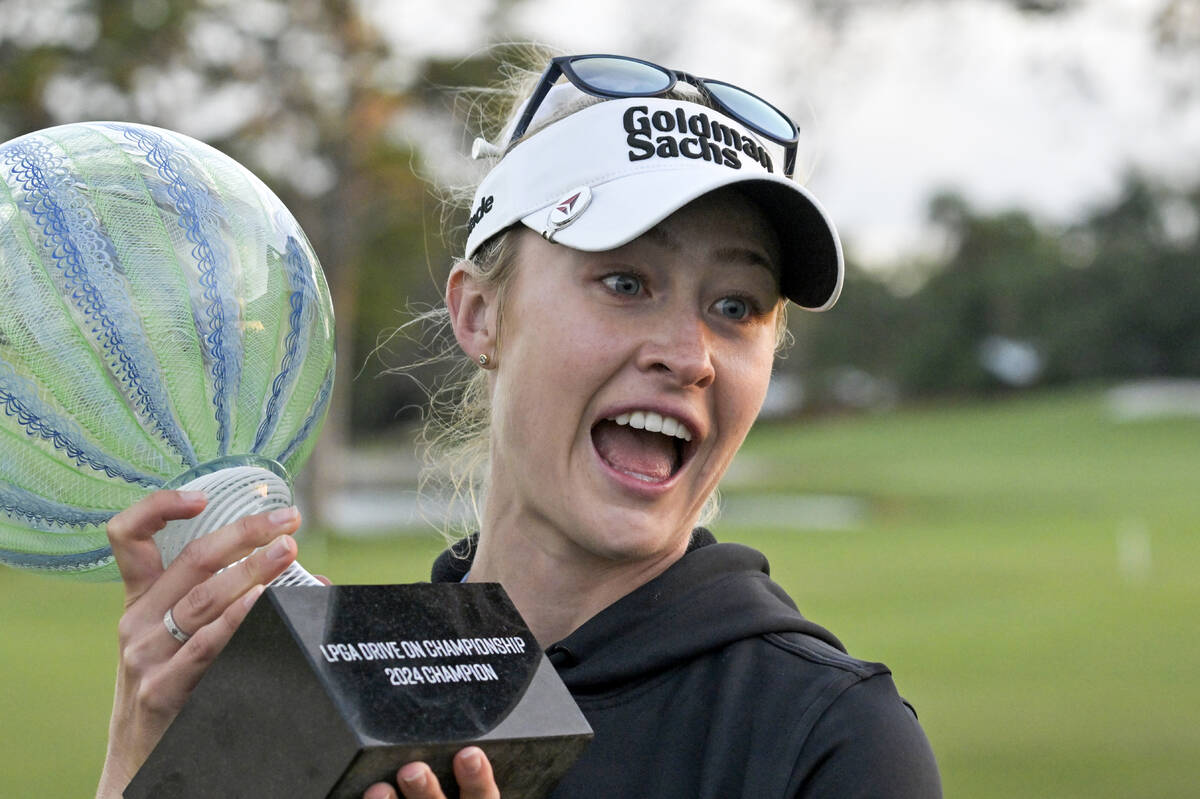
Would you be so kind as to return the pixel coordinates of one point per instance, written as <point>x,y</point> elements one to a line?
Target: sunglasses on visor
<point>615,76</point>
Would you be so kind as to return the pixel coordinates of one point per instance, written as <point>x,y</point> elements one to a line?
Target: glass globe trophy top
<point>164,323</point>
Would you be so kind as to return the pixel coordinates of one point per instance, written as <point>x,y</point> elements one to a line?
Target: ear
<point>472,312</point>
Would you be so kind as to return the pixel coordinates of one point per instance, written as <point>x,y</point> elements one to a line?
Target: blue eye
<point>732,307</point>
<point>623,283</point>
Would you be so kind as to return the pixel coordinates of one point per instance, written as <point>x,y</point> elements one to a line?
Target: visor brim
<point>620,210</point>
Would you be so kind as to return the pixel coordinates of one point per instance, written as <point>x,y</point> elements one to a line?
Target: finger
<point>380,790</point>
<point>474,774</point>
<point>169,686</point>
<point>208,554</point>
<point>417,781</point>
<point>322,579</point>
<point>208,600</point>
<point>131,535</point>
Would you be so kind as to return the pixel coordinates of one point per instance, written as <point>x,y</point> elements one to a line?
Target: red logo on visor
<point>568,205</point>
<point>569,208</point>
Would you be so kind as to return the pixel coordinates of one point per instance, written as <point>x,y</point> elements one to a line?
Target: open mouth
<point>645,445</point>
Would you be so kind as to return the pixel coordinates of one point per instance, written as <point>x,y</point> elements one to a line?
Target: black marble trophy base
<point>324,691</point>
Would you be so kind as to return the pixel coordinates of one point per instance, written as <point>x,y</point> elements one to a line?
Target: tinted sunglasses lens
<point>620,76</point>
<point>753,110</point>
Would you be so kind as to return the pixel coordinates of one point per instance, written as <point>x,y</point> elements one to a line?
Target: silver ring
<point>173,628</point>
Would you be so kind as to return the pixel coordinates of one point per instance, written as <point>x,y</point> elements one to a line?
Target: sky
<point>897,100</point>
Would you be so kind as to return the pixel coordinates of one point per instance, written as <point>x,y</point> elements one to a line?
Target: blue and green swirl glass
<point>161,314</point>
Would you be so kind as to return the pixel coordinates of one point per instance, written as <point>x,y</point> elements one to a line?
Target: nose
<point>680,347</point>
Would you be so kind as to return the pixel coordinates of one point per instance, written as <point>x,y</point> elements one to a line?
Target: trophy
<point>164,323</point>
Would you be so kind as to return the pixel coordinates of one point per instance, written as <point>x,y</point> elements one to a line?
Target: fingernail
<point>192,496</point>
<point>472,761</point>
<point>252,595</point>
<point>412,775</point>
<point>281,516</point>
<point>281,548</point>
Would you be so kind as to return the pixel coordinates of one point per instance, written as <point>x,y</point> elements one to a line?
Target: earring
<point>483,360</point>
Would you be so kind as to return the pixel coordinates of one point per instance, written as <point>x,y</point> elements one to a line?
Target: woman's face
<point>676,331</point>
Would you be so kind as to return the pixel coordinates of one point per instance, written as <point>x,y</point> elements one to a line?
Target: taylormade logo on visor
<point>484,208</point>
<point>679,135</point>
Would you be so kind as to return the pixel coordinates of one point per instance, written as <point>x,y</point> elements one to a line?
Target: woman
<point>629,257</point>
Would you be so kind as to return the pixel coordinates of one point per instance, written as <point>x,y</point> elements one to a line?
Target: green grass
<point>986,573</point>
<point>988,577</point>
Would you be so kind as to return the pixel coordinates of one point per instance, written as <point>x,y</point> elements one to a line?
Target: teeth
<point>655,423</point>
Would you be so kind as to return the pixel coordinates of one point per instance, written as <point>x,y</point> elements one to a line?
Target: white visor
<point>604,175</point>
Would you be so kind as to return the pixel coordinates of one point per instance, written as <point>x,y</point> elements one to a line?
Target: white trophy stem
<point>232,493</point>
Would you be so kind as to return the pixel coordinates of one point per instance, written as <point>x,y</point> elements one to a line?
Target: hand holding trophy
<point>164,324</point>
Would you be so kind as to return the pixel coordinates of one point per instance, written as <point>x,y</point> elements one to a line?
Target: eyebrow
<point>747,255</point>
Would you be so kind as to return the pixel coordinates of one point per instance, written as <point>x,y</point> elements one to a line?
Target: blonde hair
<point>454,441</point>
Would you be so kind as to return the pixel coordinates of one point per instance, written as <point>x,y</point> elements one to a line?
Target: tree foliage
<point>1112,297</point>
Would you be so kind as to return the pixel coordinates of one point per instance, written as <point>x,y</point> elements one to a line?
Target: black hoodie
<point>707,682</point>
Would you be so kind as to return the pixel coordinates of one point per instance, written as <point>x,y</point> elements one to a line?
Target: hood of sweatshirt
<point>714,595</point>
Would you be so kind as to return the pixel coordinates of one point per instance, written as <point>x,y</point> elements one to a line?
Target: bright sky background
<point>898,99</point>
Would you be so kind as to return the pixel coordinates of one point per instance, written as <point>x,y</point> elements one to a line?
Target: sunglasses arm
<point>545,83</point>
